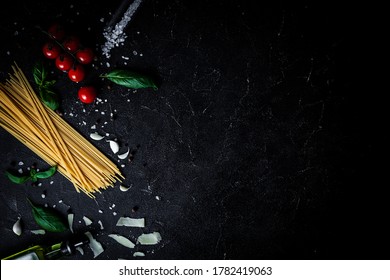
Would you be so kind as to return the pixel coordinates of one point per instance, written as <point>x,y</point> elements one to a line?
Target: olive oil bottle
<point>56,251</point>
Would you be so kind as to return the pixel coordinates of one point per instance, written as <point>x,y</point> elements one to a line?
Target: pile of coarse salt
<point>115,36</point>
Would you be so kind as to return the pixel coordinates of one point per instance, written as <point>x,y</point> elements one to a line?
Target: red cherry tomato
<point>51,50</point>
<point>71,43</point>
<point>87,94</point>
<point>85,55</point>
<point>76,73</point>
<point>56,31</point>
<point>64,61</point>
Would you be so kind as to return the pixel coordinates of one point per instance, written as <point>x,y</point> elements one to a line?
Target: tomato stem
<point>58,43</point>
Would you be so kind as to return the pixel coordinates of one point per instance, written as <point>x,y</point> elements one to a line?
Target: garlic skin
<point>70,221</point>
<point>17,227</point>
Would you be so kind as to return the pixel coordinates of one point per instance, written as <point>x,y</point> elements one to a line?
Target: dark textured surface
<point>255,142</point>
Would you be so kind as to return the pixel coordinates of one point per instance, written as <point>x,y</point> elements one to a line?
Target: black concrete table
<point>253,147</point>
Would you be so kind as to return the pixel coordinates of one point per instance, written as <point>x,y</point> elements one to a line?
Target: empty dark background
<point>260,142</point>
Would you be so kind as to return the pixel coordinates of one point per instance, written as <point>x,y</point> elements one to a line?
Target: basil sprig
<point>48,219</point>
<point>46,93</point>
<point>130,79</point>
<point>34,175</point>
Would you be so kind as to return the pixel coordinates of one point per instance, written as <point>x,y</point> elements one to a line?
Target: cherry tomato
<point>56,31</point>
<point>87,94</point>
<point>76,73</point>
<point>71,43</point>
<point>85,55</point>
<point>64,62</point>
<point>51,50</point>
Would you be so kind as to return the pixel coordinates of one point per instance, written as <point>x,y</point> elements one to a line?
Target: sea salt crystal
<point>115,35</point>
<point>20,163</point>
<point>20,170</point>
<point>102,20</point>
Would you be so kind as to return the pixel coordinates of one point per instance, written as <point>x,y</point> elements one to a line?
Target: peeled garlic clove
<point>96,136</point>
<point>114,146</point>
<point>123,156</point>
<point>124,188</point>
<point>17,227</point>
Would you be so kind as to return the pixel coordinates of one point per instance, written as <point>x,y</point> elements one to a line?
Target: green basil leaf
<point>48,219</point>
<point>39,73</point>
<point>17,179</point>
<point>130,79</point>
<point>49,98</point>
<point>49,84</point>
<point>33,171</point>
<point>46,174</point>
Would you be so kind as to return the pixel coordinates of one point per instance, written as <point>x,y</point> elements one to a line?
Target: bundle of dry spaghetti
<point>44,132</point>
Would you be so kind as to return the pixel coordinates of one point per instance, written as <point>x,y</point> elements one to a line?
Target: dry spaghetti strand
<point>24,116</point>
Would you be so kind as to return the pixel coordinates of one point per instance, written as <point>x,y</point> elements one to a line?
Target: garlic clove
<point>124,155</point>
<point>96,136</point>
<point>17,227</point>
<point>124,188</point>
<point>114,146</point>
